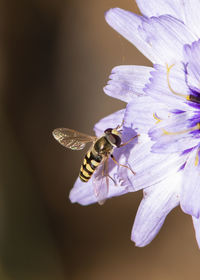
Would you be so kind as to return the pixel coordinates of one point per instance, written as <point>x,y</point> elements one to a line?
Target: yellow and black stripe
<point>89,165</point>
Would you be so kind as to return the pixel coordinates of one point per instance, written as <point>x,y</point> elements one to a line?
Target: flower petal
<point>156,8</point>
<point>166,35</point>
<point>173,144</point>
<point>169,87</point>
<point>158,201</point>
<point>192,18</point>
<point>190,192</point>
<point>84,193</point>
<point>196,223</point>
<point>154,169</point>
<point>160,39</point>
<point>144,112</point>
<point>192,59</point>
<point>150,168</point>
<point>175,134</point>
<point>127,23</point>
<point>127,81</point>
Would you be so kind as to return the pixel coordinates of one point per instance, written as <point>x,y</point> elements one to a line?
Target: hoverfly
<point>97,156</point>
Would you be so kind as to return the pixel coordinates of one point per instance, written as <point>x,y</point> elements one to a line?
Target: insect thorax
<point>103,146</point>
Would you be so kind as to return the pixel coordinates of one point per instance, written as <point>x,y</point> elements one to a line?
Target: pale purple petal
<point>156,8</point>
<point>143,113</point>
<point>174,144</point>
<point>192,19</point>
<point>158,201</point>
<point>196,223</point>
<point>159,39</point>
<point>170,89</point>
<point>167,36</point>
<point>150,168</point>
<point>84,193</point>
<point>127,23</point>
<point>155,169</point>
<point>190,192</point>
<point>185,10</point>
<point>175,125</point>
<point>127,81</point>
<point>192,60</point>
<point>175,134</point>
<point>171,131</point>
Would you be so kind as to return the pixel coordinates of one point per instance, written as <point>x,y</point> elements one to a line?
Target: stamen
<point>168,82</point>
<point>196,127</point>
<point>156,118</point>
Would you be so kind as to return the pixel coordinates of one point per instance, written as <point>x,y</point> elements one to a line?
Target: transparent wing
<point>101,182</point>
<point>72,139</point>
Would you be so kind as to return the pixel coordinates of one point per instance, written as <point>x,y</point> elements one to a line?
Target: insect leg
<point>116,162</point>
<point>119,126</point>
<point>106,173</point>
<point>112,180</point>
<point>124,144</point>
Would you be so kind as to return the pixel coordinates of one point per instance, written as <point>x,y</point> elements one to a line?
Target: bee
<point>97,156</point>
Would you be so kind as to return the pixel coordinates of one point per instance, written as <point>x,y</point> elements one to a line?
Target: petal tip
<point>137,243</point>
<point>72,196</point>
<point>111,13</point>
<point>187,209</point>
<point>108,13</point>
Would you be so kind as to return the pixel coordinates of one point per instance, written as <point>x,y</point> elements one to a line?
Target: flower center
<point>194,98</point>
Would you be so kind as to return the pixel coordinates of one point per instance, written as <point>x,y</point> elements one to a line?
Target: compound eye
<point>108,131</point>
<point>114,139</point>
<point>117,141</point>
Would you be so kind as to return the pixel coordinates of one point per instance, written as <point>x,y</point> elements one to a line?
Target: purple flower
<point>164,105</point>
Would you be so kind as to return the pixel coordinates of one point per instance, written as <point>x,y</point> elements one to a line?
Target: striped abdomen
<point>90,163</point>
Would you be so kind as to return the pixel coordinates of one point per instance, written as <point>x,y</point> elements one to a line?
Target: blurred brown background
<point>55,58</point>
